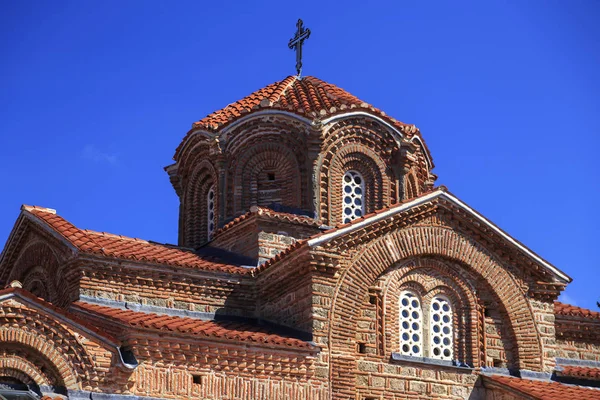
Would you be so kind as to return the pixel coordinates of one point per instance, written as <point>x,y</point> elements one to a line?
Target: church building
<point>317,259</point>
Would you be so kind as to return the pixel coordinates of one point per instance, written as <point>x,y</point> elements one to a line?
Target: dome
<point>309,97</point>
<point>301,145</point>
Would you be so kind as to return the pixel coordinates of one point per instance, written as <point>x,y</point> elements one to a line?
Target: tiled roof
<point>224,330</point>
<point>267,212</point>
<point>545,390</point>
<point>309,97</point>
<point>580,372</point>
<point>122,247</point>
<point>24,294</point>
<point>574,311</point>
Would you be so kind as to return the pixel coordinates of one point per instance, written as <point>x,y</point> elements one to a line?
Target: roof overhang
<point>31,301</point>
<point>427,198</point>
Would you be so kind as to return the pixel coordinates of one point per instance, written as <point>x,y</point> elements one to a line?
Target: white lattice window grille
<point>210,212</point>
<point>353,187</point>
<point>411,325</point>
<point>441,339</point>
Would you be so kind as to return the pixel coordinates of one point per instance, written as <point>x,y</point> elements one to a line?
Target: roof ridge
<point>123,247</point>
<point>51,226</point>
<point>29,208</point>
<point>122,237</point>
<point>570,309</point>
<point>282,89</point>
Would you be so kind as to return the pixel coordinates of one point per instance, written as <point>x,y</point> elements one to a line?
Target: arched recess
<point>430,277</point>
<point>55,346</point>
<point>58,369</point>
<point>373,259</point>
<point>411,188</point>
<point>362,145</point>
<point>195,206</point>
<point>265,173</point>
<point>26,371</point>
<point>374,172</point>
<point>38,269</point>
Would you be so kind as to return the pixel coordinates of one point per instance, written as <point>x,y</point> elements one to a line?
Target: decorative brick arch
<point>48,339</point>
<point>38,267</point>
<point>195,220</point>
<point>285,129</point>
<point>411,189</point>
<point>377,256</point>
<point>374,172</point>
<point>254,167</point>
<point>67,373</point>
<point>23,370</point>
<point>430,277</point>
<point>361,145</point>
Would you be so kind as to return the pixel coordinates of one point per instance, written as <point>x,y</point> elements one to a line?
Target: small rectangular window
<point>197,379</point>
<point>373,299</point>
<point>271,176</point>
<point>362,348</point>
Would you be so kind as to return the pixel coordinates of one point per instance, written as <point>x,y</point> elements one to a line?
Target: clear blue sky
<point>95,97</point>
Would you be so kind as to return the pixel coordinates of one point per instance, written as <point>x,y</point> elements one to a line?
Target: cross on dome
<point>296,43</point>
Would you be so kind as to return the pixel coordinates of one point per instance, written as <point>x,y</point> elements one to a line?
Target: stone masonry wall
<point>186,290</point>
<point>285,296</point>
<point>579,350</point>
<point>190,368</point>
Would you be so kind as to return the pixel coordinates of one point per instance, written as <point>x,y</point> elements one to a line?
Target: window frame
<point>445,320</point>
<point>407,332</point>
<point>210,222</point>
<point>352,195</point>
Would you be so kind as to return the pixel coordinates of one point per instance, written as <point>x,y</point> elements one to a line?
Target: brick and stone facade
<point>289,283</point>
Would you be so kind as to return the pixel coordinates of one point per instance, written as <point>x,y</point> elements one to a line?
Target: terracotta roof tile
<point>309,97</point>
<point>267,212</point>
<point>580,372</point>
<point>545,389</point>
<point>574,311</point>
<point>123,247</point>
<point>227,330</point>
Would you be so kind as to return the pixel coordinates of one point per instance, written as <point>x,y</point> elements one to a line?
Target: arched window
<point>353,196</point>
<point>210,212</point>
<point>411,325</point>
<point>441,340</point>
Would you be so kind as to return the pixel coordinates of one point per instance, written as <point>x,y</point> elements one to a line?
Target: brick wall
<point>192,368</point>
<point>579,350</point>
<point>187,290</point>
<point>51,352</point>
<point>285,296</point>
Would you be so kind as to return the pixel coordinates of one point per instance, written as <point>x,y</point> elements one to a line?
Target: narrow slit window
<point>441,334</point>
<point>411,325</point>
<point>210,211</point>
<point>353,205</point>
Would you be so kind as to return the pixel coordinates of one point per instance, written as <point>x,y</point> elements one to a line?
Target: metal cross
<point>296,44</point>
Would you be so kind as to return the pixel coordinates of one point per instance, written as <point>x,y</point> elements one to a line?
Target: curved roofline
<point>425,151</point>
<point>257,113</point>
<point>387,124</point>
<point>197,130</point>
<point>192,133</point>
<point>441,192</point>
<point>363,113</point>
